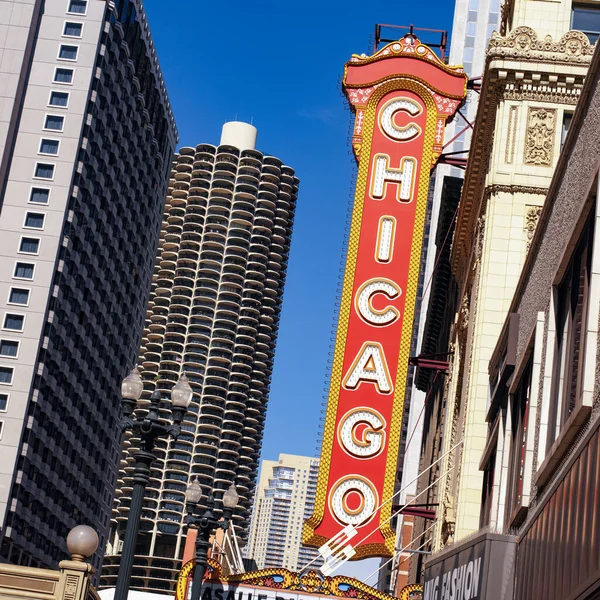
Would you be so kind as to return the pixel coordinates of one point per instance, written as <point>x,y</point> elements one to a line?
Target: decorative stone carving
<point>449,520</point>
<point>478,244</point>
<point>541,131</point>
<point>517,189</point>
<point>511,138</point>
<point>479,233</point>
<point>523,43</point>
<point>70,587</point>
<point>545,92</point>
<point>532,216</point>
<point>464,312</point>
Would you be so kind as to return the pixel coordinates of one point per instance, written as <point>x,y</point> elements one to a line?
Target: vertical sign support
<point>402,97</point>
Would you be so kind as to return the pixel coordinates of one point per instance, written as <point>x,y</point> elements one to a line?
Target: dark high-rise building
<point>86,141</point>
<point>213,314</point>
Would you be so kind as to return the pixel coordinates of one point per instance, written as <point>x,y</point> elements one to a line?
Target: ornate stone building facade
<point>533,76</point>
<point>540,462</point>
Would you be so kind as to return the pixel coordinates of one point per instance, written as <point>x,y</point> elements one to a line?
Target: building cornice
<point>522,44</point>
<point>518,66</point>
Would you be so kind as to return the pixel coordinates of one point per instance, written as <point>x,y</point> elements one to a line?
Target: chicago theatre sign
<point>402,97</point>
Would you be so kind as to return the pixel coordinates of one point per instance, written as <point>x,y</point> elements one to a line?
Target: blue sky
<point>279,64</point>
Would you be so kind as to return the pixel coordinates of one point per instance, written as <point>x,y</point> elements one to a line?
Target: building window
<point>13,322</point>
<point>3,402</point>
<point>24,270</point>
<point>6,375</point>
<point>29,245</point>
<point>60,99</point>
<point>68,52</point>
<point>54,122</point>
<point>49,147</point>
<point>73,29</point>
<point>567,118</point>
<point>62,75</point>
<point>586,18</point>
<point>39,195</point>
<point>9,348</point>
<point>18,296</point>
<point>78,7</point>
<point>34,220</point>
<point>44,171</point>
<point>519,424</point>
<point>571,298</point>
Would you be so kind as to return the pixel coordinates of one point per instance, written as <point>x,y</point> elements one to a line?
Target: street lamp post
<point>207,524</point>
<point>148,428</point>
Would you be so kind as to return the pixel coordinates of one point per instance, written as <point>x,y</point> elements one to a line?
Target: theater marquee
<point>402,97</point>
<point>281,584</point>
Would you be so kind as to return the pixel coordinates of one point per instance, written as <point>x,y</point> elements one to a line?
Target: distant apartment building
<point>214,314</point>
<point>284,499</point>
<point>86,142</point>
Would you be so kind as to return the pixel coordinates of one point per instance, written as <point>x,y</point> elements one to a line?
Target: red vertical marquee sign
<point>402,97</point>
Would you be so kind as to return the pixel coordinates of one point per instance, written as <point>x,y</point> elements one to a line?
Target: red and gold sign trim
<point>309,582</point>
<point>401,48</point>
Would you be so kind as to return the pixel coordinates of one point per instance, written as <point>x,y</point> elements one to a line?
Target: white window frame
<point>54,81</point>
<point>38,178</point>
<point>16,314</point>
<point>28,227</point>
<point>548,459</point>
<point>67,11</point>
<point>23,278</point>
<point>12,378</point>
<point>69,60</point>
<point>1,428</point>
<point>15,287</point>
<point>72,37</point>
<point>44,128</point>
<point>39,187</point>
<point>18,342</point>
<point>56,105</point>
<point>46,139</point>
<point>29,237</point>
<point>7,394</point>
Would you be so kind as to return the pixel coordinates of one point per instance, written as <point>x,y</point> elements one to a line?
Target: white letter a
<point>369,366</point>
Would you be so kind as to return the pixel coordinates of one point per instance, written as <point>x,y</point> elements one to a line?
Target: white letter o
<point>349,486</point>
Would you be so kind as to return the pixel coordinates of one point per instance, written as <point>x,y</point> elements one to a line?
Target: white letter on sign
<point>382,174</point>
<point>347,488</point>
<point>370,441</point>
<point>369,366</point>
<point>386,234</point>
<point>364,302</point>
<point>389,127</point>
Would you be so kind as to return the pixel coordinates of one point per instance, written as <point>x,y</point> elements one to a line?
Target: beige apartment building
<point>535,69</point>
<point>285,498</point>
